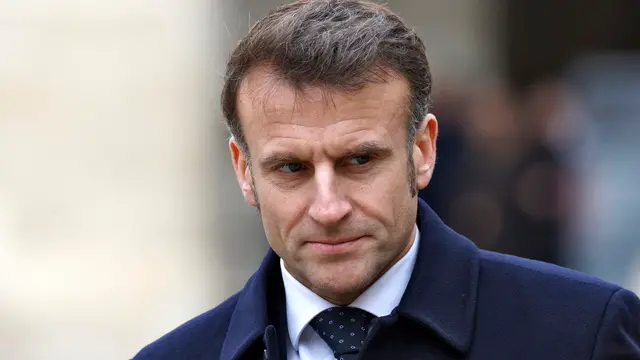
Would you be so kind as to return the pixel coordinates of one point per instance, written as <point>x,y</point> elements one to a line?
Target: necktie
<point>343,329</point>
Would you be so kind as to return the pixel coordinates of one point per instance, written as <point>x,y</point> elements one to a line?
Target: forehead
<point>266,103</point>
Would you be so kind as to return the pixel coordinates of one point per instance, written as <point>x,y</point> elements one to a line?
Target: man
<point>327,105</point>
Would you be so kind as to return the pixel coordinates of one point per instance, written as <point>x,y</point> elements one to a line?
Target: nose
<point>329,207</point>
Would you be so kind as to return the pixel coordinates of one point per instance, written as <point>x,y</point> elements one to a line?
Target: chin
<point>342,283</point>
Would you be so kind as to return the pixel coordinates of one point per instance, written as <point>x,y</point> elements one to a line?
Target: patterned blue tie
<point>343,329</point>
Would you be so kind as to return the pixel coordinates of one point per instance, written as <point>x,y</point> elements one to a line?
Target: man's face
<point>331,172</point>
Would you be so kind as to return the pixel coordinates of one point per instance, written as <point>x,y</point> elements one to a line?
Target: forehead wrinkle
<point>323,139</point>
<point>274,131</point>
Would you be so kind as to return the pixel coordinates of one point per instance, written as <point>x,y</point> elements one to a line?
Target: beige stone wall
<point>106,175</point>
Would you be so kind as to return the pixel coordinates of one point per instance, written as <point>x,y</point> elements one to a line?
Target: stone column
<point>107,175</point>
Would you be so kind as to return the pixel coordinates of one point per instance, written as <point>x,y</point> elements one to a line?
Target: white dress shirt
<point>303,305</point>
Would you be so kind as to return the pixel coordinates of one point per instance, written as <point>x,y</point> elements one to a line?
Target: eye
<point>359,159</point>
<point>291,168</point>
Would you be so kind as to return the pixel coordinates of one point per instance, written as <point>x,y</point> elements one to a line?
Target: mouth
<point>335,246</point>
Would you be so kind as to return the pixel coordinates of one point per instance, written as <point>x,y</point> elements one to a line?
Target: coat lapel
<point>442,292</point>
<point>260,303</point>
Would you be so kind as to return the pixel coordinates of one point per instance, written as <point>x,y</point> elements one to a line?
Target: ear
<point>243,172</point>
<point>424,150</point>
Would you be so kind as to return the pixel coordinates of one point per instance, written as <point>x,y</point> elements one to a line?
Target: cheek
<point>280,212</point>
<point>385,197</point>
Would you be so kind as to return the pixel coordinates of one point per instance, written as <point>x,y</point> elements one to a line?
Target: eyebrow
<point>366,147</point>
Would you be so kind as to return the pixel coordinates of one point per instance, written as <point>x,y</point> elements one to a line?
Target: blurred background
<point>120,217</point>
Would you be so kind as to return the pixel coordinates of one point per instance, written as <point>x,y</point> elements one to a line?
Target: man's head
<point>326,102</point>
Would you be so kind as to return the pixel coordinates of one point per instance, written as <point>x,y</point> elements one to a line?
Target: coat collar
<point>262,296</point>
<point>441,294</point>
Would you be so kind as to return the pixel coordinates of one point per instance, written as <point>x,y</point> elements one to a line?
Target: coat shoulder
<point>198,337</point>
<point>541,278</point>
<point>543,295</point>
<point>552,310</point>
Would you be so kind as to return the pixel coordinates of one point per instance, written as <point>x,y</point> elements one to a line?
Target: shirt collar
<point>379,299</point>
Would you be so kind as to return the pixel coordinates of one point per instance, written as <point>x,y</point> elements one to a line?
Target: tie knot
<point>343,328</point>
